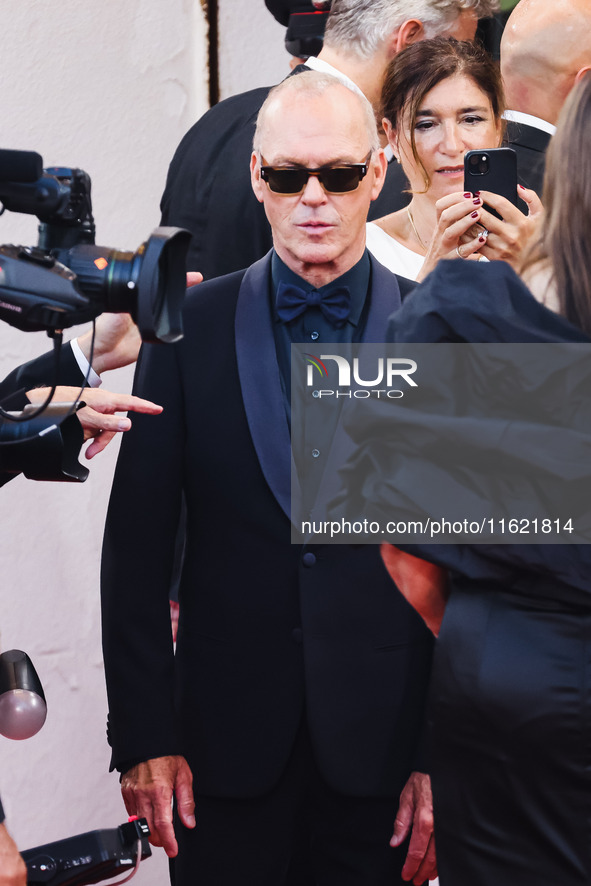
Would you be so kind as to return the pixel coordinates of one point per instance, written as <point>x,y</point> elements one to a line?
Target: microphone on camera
<point>20,166</point>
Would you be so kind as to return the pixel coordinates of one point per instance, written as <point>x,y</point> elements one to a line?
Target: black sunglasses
<point>334,179</point>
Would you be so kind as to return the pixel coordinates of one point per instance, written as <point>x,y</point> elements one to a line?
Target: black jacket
<point>530,145</point>
<point>267,628</point>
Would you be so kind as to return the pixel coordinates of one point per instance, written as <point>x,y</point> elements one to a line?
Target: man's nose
<point>313,193</point>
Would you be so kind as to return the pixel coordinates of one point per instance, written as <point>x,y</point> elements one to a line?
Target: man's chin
<point>317,254</point>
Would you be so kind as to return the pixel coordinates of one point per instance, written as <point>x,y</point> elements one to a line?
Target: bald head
<point>546,46</point>
<point>313,84</point>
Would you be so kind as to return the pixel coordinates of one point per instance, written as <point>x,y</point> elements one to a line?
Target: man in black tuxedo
<point>297,689</point>
<point>208,190</point>
<point>545,50</point>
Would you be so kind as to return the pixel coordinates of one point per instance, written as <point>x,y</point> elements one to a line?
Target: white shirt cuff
<point>94,380</point>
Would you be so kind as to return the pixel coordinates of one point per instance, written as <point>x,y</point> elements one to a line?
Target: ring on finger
<point>458,253</point>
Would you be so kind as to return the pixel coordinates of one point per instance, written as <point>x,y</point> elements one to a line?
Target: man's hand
<point>13,871</point>
<point>148,789</point>
<point>415,816</point>
<point>97,417</point>
<point>117,342</point>
<point>117,339</point>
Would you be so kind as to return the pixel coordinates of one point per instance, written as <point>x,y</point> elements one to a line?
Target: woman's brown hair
<point>417,69</point>
<point>565,233</point>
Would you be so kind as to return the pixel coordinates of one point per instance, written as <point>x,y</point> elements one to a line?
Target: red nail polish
<point>477,200</point>
<point>474,214</point>
<point>477,193</point>
<point>468,194</point>
<point>481,238</point>
<point>521,186</point>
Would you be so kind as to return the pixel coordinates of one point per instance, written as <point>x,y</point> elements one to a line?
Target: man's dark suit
<point>530,145</point>
<point>208,189</point>
<point>267,628</point>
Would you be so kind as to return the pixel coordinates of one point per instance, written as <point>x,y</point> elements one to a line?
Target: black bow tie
<point>293,301</point>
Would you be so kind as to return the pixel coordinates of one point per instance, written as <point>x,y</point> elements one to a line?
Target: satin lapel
<point>260,381</point>
<point>384,299</point>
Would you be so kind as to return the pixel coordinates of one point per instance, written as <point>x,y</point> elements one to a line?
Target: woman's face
<point>454,117</point>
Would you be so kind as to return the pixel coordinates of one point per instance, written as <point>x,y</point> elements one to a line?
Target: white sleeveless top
<point>392,254</point>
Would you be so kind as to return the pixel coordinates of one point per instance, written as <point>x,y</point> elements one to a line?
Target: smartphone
<point>492,170</point>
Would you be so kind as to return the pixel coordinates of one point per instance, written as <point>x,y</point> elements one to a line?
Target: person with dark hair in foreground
<point>510,701</point>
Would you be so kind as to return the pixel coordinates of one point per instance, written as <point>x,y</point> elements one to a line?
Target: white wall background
<point>252,51</point>
<point>110,87</point>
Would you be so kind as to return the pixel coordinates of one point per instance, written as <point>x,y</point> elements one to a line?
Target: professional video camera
<point>66,280</point>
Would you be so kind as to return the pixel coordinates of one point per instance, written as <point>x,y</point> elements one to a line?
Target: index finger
<point>451,199</point>
<point>131,403</point>
<point>507,210</point>
<point>107,402</point>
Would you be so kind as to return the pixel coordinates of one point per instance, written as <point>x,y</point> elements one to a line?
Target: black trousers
<point>302,833</point>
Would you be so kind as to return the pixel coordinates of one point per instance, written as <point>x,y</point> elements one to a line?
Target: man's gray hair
<point>314,83</point>
<point>360,27</point>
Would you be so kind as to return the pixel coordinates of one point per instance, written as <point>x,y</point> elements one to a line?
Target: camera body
<point>66,279</point>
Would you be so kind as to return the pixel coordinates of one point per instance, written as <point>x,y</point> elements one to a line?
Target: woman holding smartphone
<point>440,99</point>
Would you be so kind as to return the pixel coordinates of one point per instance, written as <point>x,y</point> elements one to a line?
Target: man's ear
<point>581,73</point>
<point>380,166</point>
<point>255,177</point>
<point>411,31</point>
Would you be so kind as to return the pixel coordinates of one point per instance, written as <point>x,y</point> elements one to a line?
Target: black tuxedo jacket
<point>530,145</point>
<point>267,629</point>
<point>208,189</point>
